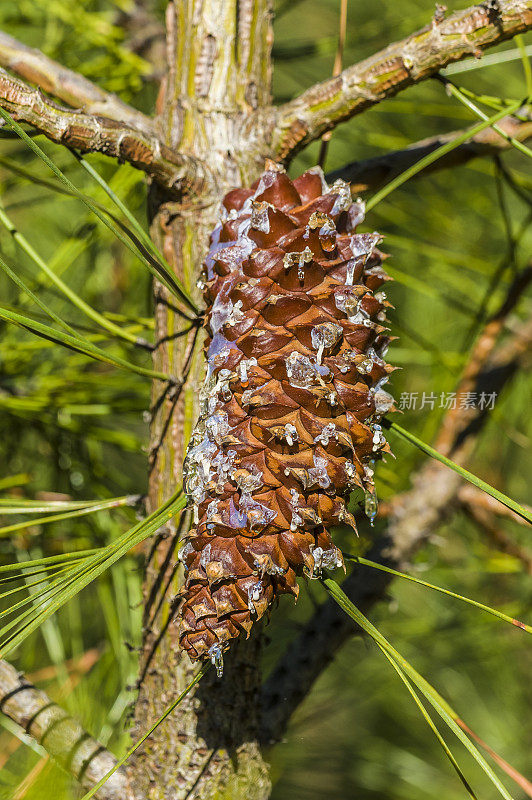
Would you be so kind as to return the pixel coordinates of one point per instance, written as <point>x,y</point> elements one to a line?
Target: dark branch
<point>89,133</point>
<point>60,735</point>
<point>400,65</point>
<point>431,500</point>
<point>376,172</point>
<point>413,518</point>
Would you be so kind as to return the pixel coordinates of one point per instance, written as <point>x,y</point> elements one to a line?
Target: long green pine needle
<point>464,473</point>
<point>438,153</point>
<point>18,281</point>
<point>158,269</point>
<point>18,505</point>
<point>462,98</point>
<point>74,298</point>
<point>428,719</point>
<point>64,589</point>
<point>434,698</point>
<point>78,345</point>
<point>79,512</point>
<point>383,568</point>
<point>48,561</point>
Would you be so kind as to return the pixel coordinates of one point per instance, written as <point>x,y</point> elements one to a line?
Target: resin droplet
<point>365,366</point>
<point>297,519</point>
<point>257,513</point>
<point>348,299</point>
<point>371,505</point>
<point>217,426</point>
<point>244,366</point>
<point>290,433</point>
<point>325,559</point>
<point>215,654</point>
<point>259,216</point>
<point>300,371</point>
<point>318,473</point>
<point>326,230</point>
<point>332,398</point>
<point>355,214</point>
<point>221,387</point>
<point>206,556</point>
<point>224,467</point>
<point>236,314</point>
<point>184,552</point>
<point>254,595</point>
<point>237,519</point>
<point>378,438</point>
<point>343,200</point>
<point>299,259</point>
<point>329,432</point>
<point>248,481</point>
<point>221,311</point>
<point>325,336</point>
<point>265,565</point>
<point>351,474</point>
<point>198,466</point>
<point>383,402</point>
<point>363,244</point>
<point>212,510</point>
<point>370,500</point>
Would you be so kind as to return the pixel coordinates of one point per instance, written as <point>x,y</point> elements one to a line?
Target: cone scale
<point>290,408</point>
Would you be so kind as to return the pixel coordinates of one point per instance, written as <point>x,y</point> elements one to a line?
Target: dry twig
<point>402,64</point>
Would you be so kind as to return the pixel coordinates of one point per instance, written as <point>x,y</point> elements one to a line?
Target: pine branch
<point>485,515</point>
<point>90,133</point>
<point>476,498</point>
<point>376,172</point>
<point>413,517</point>
<point>402,64</point>
<point>67,85</point>
<point>60,735</point>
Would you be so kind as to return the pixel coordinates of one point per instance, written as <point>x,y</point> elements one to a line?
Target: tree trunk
<point>218,78</point>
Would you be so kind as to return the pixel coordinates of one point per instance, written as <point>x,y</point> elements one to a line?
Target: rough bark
<point>210,108</point>
<point>91,133</point>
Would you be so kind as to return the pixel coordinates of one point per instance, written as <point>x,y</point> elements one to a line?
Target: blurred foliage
<point>71,427</point>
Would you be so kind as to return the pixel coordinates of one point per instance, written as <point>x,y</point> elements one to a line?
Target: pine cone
<point>291,401</point>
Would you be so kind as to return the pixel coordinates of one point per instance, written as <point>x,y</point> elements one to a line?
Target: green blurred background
<point>71,427</point>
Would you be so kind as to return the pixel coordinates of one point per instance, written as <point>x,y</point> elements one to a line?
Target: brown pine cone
<point>291,401</point>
